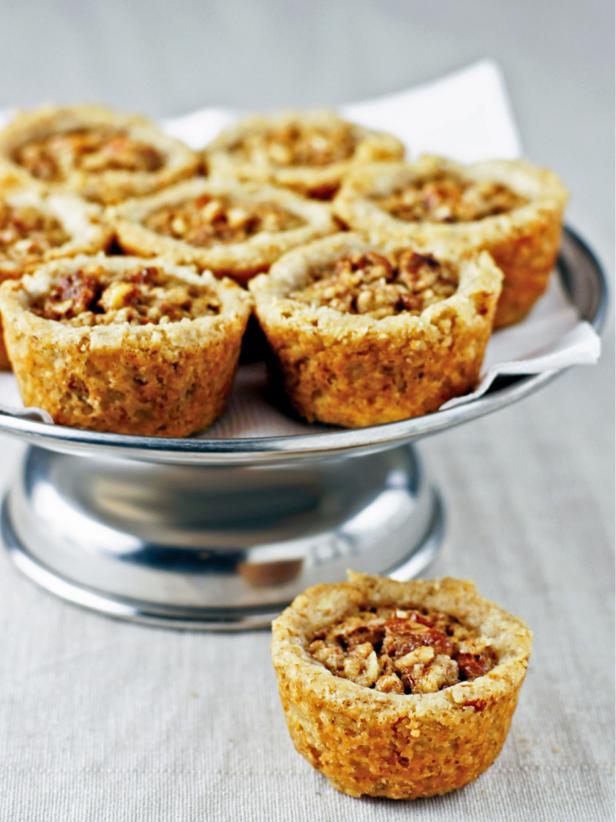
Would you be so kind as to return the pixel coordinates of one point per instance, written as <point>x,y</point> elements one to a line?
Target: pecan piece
<point>473,665</point>
<point>403,635</point>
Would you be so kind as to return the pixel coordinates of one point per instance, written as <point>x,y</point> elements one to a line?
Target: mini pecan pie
<point>98,153</point>
<point>363,334</point>
<point>223,226</point>
<point>124,345</point>
<point>309,152</point>
<point>36,227</point>
<point>509,208</point>
<point>398,689</point>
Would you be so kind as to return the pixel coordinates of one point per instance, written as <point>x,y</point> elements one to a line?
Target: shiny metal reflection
<point>188,546</point>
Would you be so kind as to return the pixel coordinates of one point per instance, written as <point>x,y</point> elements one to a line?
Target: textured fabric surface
<point>104,721</point>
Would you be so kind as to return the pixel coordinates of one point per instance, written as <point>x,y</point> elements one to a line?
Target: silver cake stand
<point>197,533</point>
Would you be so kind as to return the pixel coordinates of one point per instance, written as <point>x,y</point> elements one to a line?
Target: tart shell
<point>239,260</point>
<point>394,745</point>
<point>524,242</point>
<point>108,186</point>
<point>320,182</point>
<point>354,370</point>
<point>80,221</point>
<point>152,380</point>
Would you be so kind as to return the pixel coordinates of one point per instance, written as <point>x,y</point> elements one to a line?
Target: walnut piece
<point>370,283</point>
<point>27,233</point>
<point>449,199</point>
<point>298,144</point>
<point>93,150</point>
<point>146,295</point>
<point>402,650</point>
<point>210,219</point>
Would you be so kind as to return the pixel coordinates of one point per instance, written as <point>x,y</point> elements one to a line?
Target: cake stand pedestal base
<point>197,547</point>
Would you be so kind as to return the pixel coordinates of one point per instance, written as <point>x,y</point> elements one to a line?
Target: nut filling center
<point>27,233</point>
<point>449,199</point>
<point>218,219</point>
<point>296,144</point>
<point>89,297</point>
<point>403,650</point>
<point>92,150</point>
<point>369,283</point>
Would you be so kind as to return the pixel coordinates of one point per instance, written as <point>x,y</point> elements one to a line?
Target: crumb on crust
<point>380,742</point>
<point>169,375</point>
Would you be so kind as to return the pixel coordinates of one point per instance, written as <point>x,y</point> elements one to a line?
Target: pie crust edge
<point>524,243</point>
<point>356,371</point>
<point>85,377</point>
<point>80,220</point>
<point>321,182</point>
<point>398,746</point>
<point>109,186</point>
<point>240,261</point>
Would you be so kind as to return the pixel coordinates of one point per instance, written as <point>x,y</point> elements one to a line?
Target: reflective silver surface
<point>202,533</point>
<point>187,546</point>
<point>583,278</point>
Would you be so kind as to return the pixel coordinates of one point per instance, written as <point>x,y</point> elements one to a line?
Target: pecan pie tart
<point>36,226</point>
<point>124,345</point>
<point>101,154</point>
<point>508,207</point>
<point>399,689</point>
<point>363,333</point>
<point>224,226</point>
<point>309,151</point>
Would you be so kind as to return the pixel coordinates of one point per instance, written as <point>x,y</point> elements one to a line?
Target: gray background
<point>107,721</point>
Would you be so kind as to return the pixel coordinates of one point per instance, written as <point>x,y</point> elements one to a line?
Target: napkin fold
<point>465,115</point>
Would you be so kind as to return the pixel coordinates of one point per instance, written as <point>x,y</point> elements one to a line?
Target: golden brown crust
<point>524,242</point>
<point>5,363</point>
<point>164,379</point>
<point>401,746</point>
<point>173,159</point>
<point>78,228</point>
<point>239,260</point>
<point>265,149</point>
<point>355,370</point>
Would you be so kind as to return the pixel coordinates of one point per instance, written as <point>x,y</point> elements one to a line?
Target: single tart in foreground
<point>307,151</point>
<point>123,345</point>
<point>36,227</point>
<point>101,154</point>
<point>398,689</point>
<point>508,207</point>
<point>220,225</point>
<point>362,334</point>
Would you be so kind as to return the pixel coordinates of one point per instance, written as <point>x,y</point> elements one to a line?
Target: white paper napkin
<point>467,116</point>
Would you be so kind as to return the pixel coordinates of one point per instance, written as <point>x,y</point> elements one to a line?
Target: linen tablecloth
<point>104,721</point>
<point>101,720</point>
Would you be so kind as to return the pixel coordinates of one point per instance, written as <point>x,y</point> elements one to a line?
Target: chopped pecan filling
<point>27,233</point>
<point>219,219</point>
<point>403,650</point>
<point>298,144</point>
<point>101,297</point>
<point>92,150</point>
<point>449,199</point>
<point>369,283</point>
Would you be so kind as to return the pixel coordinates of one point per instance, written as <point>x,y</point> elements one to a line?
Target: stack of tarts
<point>133,265</point>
